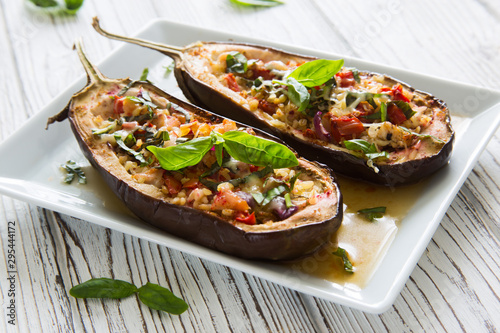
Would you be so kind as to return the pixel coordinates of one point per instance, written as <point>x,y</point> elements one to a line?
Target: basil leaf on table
<point>317,72</point>
<point>103,288</point>
<point>258,151</point>
<point>258,3</point>
<point>184,154</point>
<point>159,298</point>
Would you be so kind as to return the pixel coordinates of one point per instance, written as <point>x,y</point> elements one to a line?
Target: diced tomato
<point>345,127</point>
<point>267,107</point>
<point>397,94</point>
<point>246,218</point>
<point>118,106</point>
<point>229,200</point>
<point>262,72</point>
<point>253,168</point>
<point>395,115</point>
<point>231,82</point>
<point>345,79</point>
<point>192,183</point>
<point>385,89</point>
<point>173,185</point>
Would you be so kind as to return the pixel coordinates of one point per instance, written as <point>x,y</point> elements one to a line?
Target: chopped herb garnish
<point>169,69</point>
<point>370,150</point>
<point>373,213</point>
<point>340,252</point>
<point>422,136</point>
<point>73,170</point>
<point>177,108</point>
<point>405,107</point>
<point>144,75</point>
<point>355,74</point>
<point>236,62</point>
<point>122,144</point>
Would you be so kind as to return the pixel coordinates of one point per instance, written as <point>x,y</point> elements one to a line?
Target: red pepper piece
<point>118,105</point>
<point>397,94</point>
<point>345,79</point>
<point>267,107</point>
<point>231,82</point>
<point>247,219</point>
<point>173,185</point>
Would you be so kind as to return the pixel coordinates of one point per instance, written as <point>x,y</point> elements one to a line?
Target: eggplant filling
<point>146,132</point>
<point>368,115</point>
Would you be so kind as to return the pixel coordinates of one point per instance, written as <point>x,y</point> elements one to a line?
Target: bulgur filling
<point>150,134</point>
<point>368,115</point>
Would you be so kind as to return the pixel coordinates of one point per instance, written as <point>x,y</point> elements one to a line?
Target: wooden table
<point>454,287</point>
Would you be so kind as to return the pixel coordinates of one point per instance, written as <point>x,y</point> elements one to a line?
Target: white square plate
<point>34,154</point>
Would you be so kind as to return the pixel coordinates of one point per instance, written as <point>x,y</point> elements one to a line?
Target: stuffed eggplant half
<point>363,125</point>
<point>199,176</point>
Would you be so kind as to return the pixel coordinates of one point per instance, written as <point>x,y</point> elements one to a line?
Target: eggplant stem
<point>94,75</point>
<point>169,50</point>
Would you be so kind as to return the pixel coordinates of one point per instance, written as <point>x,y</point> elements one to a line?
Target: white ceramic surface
<point>32,156</point>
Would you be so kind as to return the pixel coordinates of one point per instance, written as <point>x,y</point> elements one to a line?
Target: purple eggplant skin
<point>304,236</point>
<point>342,162</point>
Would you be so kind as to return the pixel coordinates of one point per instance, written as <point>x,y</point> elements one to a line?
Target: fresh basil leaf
<point>72,6</point>
<point>74,170</point>
<point>362,145</point>
<point>144,75</point>
<point>236,62</point>
<point>182,155</point>
<point>159,298</point>
<point>370,150</point>
<point>406,108</point>
<point>373,213</point>
<point>258,3</point>
<point>340,252</point>
<point>317,72</point>
<point>103,288</point>
<point>258,151</point>
<point>44,3</point>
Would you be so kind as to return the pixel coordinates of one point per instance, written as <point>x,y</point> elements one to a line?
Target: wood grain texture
<point>456,284</point>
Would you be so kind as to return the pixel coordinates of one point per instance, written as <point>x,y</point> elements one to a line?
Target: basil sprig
<point>373,213</point>
<point>236,62</point>
<point>258,3</point>
<point>369,149</point>
<point>240,145</point>
<point>340,252</point>
<point>317,72</point>
<point>154,296</point>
